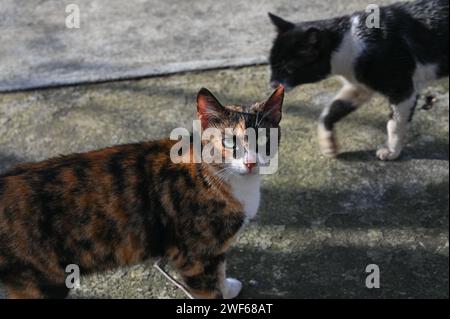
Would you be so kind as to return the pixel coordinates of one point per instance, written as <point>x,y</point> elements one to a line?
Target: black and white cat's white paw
<point>231,288</point>
<point>327,142</point>
<point>385,154</point>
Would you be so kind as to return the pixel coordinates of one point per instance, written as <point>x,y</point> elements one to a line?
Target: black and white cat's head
<point>300,54</point>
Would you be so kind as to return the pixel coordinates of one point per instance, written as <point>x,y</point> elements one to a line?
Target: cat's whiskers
<point>260,121</point>
<point>220,177</point>
<point>256,119</point>
<point>215,178</point>
<point>208,179</point>
<point>223,175</point>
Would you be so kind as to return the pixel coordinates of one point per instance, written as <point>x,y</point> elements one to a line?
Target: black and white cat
<point>396,59</point>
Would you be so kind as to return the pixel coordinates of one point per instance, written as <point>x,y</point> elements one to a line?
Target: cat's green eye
<point>262,140</point>
<point>228,142</point>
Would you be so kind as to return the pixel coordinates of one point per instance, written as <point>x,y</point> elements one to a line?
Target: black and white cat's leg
<point>348,100</point>
<point>397,128</point>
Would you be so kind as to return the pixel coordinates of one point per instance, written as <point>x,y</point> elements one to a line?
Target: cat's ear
<point>272,107</point>
<point>208,107</point>
<point>281,24</point>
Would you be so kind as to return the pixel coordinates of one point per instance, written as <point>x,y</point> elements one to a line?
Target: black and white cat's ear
<point>208,107</point>
<point>272,107</point>
<point>281,24</point>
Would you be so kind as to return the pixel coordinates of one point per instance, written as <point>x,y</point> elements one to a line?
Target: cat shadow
<point>380,204</point>
<point>338,272</point>
<point>357,156</point>
<point>437,150</point>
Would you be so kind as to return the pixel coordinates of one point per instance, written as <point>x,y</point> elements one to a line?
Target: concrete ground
<point>321,221</point>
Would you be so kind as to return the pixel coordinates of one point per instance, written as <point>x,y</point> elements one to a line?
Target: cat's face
<point>297,55</point>
<point>241,152</point>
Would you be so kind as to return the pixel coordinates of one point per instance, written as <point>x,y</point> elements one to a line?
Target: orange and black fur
<point>120,206</point>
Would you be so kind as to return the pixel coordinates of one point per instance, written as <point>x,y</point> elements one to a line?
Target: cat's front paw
<point>385,154</point>
<point>231,288</point>
<point>327,143</point>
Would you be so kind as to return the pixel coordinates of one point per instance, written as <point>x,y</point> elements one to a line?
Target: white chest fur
<point>246,189</point>
<point>350,48</point>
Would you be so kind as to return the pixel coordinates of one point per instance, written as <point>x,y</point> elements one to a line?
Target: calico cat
<point>409,49</point>
<point>125,204</point>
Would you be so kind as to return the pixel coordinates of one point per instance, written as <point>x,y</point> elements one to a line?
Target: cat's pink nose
<point>250,166</point>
